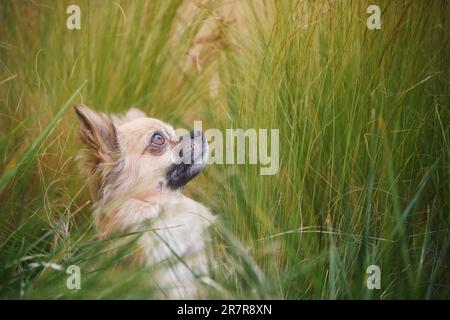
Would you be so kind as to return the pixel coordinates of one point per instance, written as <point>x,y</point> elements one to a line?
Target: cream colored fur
<point>130,195</point>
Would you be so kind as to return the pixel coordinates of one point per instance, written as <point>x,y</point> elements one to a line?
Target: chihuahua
<point>137,167</point>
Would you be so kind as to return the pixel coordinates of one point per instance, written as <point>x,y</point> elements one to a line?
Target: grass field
<point>364,120</point>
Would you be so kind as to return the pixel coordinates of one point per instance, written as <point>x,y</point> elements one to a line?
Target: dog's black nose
<point>195,134</point>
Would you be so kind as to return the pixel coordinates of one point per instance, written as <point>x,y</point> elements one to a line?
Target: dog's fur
<point>136,185</point>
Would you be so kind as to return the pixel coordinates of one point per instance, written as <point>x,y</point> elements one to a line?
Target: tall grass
<point>364,123</point>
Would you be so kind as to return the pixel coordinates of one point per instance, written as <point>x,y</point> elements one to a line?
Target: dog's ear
<point>98,133</point>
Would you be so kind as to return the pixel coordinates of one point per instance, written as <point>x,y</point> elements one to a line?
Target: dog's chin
<point>179,174</point>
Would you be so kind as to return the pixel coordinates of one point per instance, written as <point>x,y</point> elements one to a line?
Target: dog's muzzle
<point>189,157</point>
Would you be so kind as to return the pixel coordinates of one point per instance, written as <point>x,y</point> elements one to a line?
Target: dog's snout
<point>195,134</point>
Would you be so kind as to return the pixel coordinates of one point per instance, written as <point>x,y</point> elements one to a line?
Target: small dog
<point>136,176</point>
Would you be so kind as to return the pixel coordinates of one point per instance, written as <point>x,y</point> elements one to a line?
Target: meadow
<point>364,126</point>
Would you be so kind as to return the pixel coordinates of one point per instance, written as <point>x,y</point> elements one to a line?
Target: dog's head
<point>135,151</point>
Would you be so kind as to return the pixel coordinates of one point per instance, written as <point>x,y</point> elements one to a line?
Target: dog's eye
<point>157,139</point>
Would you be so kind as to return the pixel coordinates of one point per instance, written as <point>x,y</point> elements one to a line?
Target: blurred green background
<point>364,118</point>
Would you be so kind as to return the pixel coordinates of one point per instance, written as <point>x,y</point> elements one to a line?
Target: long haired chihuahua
<point>137,167</point>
